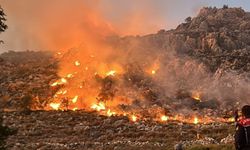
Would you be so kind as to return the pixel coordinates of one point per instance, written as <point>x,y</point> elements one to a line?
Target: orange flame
<point>164,118</point>
<point>153,72</point>
<point>134,118</point>
<point>60,82</point>
<point>98,107</point>
<point>111,73</point>
<point>196,96</point>
<point>196,120</point>
<point>55,106</point>
<point>77,63</point>
<point>110,113</point>
<point>74,100</point>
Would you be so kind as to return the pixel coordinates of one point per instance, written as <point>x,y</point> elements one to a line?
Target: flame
<point>111,73</point>
<point>110,113</point>
<point>153,72</point>
<point>55,106</point>
<point>196,96</point>
<point>98,107</point>
<point>75,109</point>
<point>134,118</point>
<point>64,92</point>
<point>164,118</point>
<point>77,63</point>
<point>232,119</point>
<point>69,75</point>
<point>59,82</point>
<point>196,120</point>
<point>74,100</point>
<point>63,80</point>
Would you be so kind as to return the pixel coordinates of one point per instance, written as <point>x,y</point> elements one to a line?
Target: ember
<point>164,118</point>
<point>196,120</point>
<point>134,118</point>
<point>77,63</point>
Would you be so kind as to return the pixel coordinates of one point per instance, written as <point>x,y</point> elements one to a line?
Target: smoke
<point>85,35</point>
<point>61,24</point>
<point>53,25</point>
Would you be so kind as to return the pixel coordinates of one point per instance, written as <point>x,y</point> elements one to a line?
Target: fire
<point>196,120</point>
<point>75,109</point>
<point>110,113</point>
<point>164,118</point>
<point>232,119</point>
<point>60,82</point>
<point>74,100</point>
<point>64,92</point>
<point>134,118</point>
<point>63,80</point>
<point>77,63</point>
<point>55,106</point>
<point>111,73</point>
<point>69,75</point>
<point>153,72</point>
<point>100,106</point>
<point>196,96</point>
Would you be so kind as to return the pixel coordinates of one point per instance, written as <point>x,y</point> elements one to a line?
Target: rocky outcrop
<point>217,37</point>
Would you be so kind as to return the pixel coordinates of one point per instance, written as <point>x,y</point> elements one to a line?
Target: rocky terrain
<point>87,130</point>
<point>218,38</point>
<point>24,76</point>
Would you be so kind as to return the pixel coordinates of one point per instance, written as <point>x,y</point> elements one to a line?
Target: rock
<point>178,146</point>
<point>227,140</point>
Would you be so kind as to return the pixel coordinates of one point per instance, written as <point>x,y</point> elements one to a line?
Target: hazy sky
<point>28,25</point>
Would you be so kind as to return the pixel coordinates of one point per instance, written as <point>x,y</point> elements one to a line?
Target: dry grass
<point>212,147</point>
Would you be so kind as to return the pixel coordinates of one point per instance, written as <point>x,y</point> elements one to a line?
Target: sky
<point>32,24</point>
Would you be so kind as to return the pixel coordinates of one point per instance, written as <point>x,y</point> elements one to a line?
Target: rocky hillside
<point>220,38</point>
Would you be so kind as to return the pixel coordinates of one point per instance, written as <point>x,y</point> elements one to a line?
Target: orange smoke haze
<point>56,25</point>
<point>62,24</point>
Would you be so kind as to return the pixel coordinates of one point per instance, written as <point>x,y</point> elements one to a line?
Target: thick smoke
<point>53,25</point>
<point>62,24</point>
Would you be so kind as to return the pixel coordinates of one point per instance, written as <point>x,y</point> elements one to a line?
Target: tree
<point>4,131</point>
<point>3,26</point>
<point>225,6</point>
